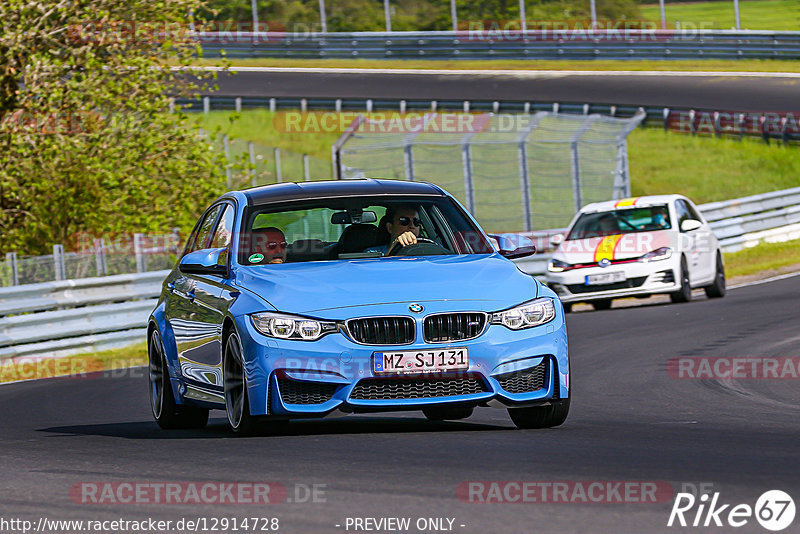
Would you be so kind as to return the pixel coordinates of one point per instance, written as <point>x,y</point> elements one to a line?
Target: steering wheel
<point>397,247</point>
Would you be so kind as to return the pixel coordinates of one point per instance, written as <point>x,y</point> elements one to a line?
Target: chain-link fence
<point>135,253</point>
<point>252,164</point>
<point>513,172</point>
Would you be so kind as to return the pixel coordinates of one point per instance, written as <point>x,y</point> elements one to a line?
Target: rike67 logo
<point>774,510</point>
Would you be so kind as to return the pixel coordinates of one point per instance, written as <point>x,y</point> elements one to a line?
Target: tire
<point>167,413</point>
<point>717,289</point>
<point>684,294</point>
<point>567,307</point>
<point>234,381</point>
<point>604,304</point>
<point>442,413</point>
<point>540,416</point>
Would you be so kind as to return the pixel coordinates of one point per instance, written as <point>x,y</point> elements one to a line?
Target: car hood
<point>316,287</point>
<point>613,247</point>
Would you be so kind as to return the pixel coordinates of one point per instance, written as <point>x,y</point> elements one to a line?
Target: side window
<point>224,231</point>
<point>693,211</point>
<point>204,230</point>
<point>683,212</point>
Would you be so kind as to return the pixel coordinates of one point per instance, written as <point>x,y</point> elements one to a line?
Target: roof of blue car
<point>337,188</point>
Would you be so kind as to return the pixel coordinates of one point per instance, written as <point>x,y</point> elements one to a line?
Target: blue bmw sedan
<point>303,300</point>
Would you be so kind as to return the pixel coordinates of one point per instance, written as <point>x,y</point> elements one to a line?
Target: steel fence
<point>511,44</point>
<point>135,253</point>
<point>251,164</point>
<point>782,127</point>
<point>511,172</point>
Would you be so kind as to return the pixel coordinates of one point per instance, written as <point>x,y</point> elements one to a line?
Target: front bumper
<point>640,279</point>
<point>334,374</point>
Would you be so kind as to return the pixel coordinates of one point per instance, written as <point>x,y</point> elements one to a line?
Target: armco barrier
<point>532,44</point>
<point>97,313</point>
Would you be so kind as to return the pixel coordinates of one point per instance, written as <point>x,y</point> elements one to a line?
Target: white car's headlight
<point>533,313</point>
<point>283,326</point>
<point>658,254</point>
<point>557,266</point>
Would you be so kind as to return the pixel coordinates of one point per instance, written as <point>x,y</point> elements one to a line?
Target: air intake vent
<point>382,330</point>
<point>299,392</point>
<point>525,380</point>
<point>404,388</point>
<point>444,327</point>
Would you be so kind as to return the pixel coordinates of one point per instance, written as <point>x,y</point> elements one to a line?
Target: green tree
<point>86,141</point>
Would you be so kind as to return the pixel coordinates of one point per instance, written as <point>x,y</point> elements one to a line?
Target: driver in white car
<point>403,226</point>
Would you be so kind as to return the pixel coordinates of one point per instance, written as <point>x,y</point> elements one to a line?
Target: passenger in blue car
<point>402,224</point>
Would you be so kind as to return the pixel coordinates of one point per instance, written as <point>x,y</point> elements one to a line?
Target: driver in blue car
<point>403,227</point>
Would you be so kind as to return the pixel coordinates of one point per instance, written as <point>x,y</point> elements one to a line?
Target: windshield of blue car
<point>622,221</point>
<point>356,228</point>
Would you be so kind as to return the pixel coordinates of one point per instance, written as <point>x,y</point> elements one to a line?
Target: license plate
<point>605,278</point>
<point>421,361</point>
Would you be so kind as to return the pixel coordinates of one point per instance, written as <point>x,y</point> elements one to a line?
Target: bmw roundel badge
<point>605,262</point>
<point>416,308</point>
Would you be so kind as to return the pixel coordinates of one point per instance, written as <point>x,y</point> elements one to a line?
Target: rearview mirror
<point>353,217</point>
<point>514,246</point>
<point>556,239</point>
<point>690,224</point>
<point>206,261</point>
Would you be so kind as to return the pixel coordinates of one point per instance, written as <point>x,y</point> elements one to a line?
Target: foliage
<point>85,143</point>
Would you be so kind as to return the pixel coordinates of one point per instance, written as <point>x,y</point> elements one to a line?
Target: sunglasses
<point>276,246</point>
<point>406,221</point>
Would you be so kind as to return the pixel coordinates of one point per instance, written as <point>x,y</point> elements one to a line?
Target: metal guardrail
<point>718,123</point>
<point>488,44</point>
<point>76,315</point>
<point>98,313</point>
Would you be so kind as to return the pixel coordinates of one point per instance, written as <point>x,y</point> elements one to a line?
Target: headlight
<point>533,313</point>
<point>284,326</point>
<point>556,266</point>
<point>659,254</point>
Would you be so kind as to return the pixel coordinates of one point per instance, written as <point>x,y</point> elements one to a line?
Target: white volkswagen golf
<point>636,247</point>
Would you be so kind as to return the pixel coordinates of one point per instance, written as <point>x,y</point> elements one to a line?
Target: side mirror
<point>514,246</point>
<point>690,224</point>
<point>206,261</point>
<point>556,239</point>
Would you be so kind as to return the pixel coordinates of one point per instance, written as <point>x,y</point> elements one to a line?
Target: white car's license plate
<point>421,361</point>
<point>605,278</point>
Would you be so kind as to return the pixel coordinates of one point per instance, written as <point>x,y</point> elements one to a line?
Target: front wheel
<point>684,294</point>
<point>604,304</point>
<point>167,413</point>
<point>541,416</point>
<point>237,403</point>
<point>717,288</point>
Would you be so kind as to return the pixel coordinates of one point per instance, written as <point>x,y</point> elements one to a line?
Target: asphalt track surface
<point>630,421</point>
<point>727,92</point>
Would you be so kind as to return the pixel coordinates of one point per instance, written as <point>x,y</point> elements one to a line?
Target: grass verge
<point>77,366</point>
<point>713,65</point>
<point>705,169</point>
<point>783,15</point>
<point>767,258</point>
